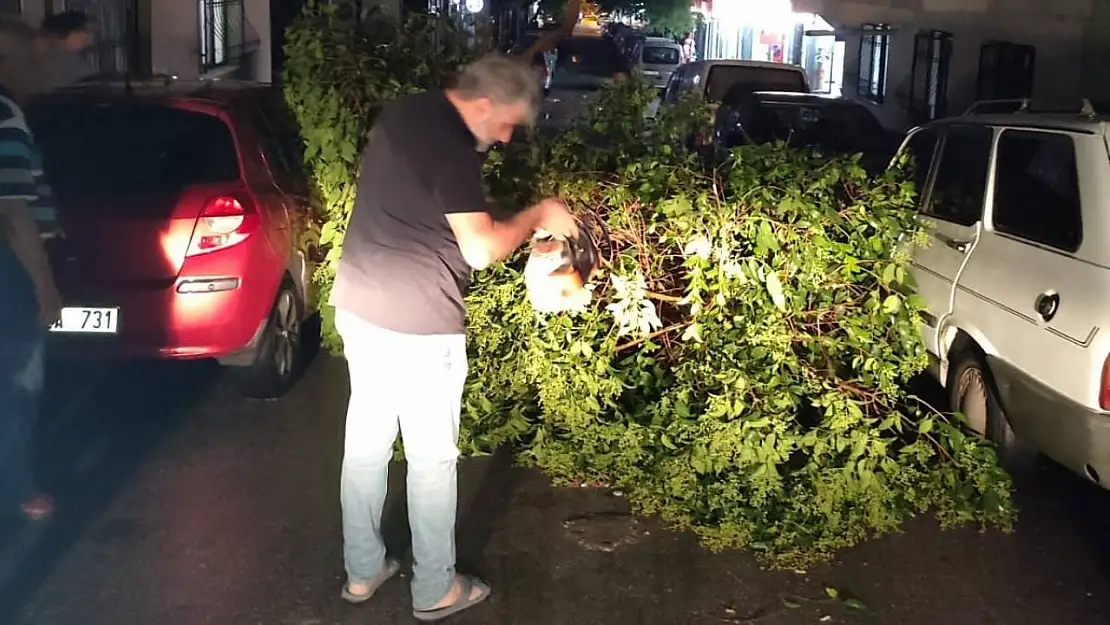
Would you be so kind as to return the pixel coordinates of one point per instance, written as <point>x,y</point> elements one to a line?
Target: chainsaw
<point>558,271</point>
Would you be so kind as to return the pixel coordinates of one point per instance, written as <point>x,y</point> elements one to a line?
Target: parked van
<point>657,58</point>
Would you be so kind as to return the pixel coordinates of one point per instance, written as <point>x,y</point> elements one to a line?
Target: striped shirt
<point>21,174</point>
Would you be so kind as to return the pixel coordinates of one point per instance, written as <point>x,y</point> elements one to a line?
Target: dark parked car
<point>830,126</point>
<point>584,65</point>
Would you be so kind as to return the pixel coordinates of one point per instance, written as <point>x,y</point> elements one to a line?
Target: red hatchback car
<point>184,219</point>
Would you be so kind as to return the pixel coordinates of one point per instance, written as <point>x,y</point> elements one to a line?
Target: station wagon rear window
<point>724,77</point>
<point>660,55</point>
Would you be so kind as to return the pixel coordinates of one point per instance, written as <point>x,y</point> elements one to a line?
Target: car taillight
<point>223,222</point>
<point>1104,386</point>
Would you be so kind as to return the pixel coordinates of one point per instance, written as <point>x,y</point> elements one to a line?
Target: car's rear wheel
<point>972,392</point>
<point>280,358</point>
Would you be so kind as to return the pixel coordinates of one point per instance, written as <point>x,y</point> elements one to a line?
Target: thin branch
<point>656,334</point>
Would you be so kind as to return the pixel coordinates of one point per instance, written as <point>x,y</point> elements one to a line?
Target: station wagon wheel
<point>972,392</point>
<point>971,396</point>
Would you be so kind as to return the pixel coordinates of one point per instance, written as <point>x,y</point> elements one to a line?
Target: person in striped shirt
<point>29,298</point>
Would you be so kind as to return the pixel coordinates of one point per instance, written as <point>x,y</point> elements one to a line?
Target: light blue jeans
<point>410,384</point>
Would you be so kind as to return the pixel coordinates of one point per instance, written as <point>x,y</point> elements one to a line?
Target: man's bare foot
<point>453,595</point>
<point>38,507</point>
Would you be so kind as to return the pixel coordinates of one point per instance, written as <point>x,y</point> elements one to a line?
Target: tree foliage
<point>740,370</point>
<point>671,17</point>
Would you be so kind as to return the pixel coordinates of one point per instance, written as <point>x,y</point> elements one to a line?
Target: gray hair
<point>503,79</point>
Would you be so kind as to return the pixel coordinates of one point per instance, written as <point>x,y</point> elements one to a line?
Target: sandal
<point>372,585</point>
<point>469,584</point>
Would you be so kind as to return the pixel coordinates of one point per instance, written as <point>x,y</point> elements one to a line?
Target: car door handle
<point>1047,305</point>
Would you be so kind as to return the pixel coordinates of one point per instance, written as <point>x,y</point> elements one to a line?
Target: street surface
<point>181,504</point>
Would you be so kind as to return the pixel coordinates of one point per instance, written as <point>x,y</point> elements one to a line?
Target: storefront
<point>769,30</point>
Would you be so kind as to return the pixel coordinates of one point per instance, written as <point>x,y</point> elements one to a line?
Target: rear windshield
<point>131,148</point>
<point>837,127</point>
<point>593,56</point>
<point>722,78</point>
<point>660,55</point>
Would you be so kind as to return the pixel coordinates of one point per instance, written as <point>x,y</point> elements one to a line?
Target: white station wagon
<point>1017,280</point>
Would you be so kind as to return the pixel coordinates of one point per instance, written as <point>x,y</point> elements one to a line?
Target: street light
<point>475,6</point>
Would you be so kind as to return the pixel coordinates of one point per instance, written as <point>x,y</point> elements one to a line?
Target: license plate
<point>81,320</point>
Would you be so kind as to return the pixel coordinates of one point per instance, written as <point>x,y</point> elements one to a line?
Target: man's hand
<point>557,219</point>
<point>50,304</point>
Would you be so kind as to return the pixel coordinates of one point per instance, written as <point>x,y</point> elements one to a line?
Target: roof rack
<point>1027,105</point>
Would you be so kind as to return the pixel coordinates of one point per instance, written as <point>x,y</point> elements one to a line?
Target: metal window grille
<point>929,75</point>
<point>874,48</point>
<point>1006,71</point>
<point>223,33</point>
<point>112,50</point>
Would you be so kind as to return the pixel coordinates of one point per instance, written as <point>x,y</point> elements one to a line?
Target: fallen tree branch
<point>549,40</point>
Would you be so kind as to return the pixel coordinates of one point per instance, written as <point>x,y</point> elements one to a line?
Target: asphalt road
<point>182,504</point>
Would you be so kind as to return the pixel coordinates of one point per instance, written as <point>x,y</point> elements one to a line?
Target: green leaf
<point>692,333</point>
<point>889,274</point>
<point>892,304</point>
<point>832,592</point>
<point>854,604</point>
<point>791,602</point>
<point>765,238</point>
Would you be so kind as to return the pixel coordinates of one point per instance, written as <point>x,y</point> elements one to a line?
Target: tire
<point>281,355</point>
<point>972,391</point>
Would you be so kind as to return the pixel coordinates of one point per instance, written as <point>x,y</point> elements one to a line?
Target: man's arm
<point>484,241</point>
<point>22,233</point>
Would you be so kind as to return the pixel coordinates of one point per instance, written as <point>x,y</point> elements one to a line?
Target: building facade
<point>183,38</point>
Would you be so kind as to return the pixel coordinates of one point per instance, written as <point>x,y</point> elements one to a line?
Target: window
<point>1006,71</point>
<point>120,150</point>
<point>1036,186</point>
<point>111,50</point>
<point>660,55</point>
<point>961,178</point>
<point>746,79</point>
<point>929,75</point>
<point>675,86</point>
<point>874,44</point>
<point>831,128</point>
<point>921,148</point>
<point>222,33</point>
